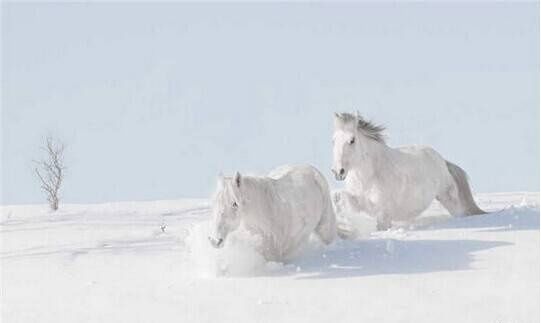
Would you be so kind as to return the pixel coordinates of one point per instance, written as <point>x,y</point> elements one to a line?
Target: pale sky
<point>154,100</point>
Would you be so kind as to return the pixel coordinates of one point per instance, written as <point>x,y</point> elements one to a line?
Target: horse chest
<point>375,197</point>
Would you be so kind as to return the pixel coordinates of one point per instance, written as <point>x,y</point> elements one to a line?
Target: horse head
<point>226,209</point>
<point>352,139</point>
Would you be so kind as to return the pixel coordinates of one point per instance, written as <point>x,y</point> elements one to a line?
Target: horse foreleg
<point>344,201</point>
<point>383,222</point>
<point>346,204</point>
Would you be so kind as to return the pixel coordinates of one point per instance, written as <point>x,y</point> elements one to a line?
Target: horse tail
<point>464,192</point>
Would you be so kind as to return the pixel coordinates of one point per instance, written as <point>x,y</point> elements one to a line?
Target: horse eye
<point>352,141</point>
<point>235,205</point>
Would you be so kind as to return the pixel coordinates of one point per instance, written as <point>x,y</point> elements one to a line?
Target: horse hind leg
<point>450,200</point>
<point>326,228</point>
<point>383,222</point>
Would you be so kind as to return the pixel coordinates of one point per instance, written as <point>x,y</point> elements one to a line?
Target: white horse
<point>283,209</point>
<point>393,183</point>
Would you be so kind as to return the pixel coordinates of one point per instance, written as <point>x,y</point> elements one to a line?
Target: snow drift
<point>150,261</point>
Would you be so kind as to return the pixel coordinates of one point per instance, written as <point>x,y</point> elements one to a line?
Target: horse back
<point>424,156</point>
<point>301,179</point>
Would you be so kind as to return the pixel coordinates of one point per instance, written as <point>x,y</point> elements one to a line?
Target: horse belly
<point>408,212</point>
<point>414,200</point>
<point>403,202</point>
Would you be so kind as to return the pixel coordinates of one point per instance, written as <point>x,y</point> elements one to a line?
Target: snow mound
<point>355,225</point>
<point>151,261</point>
<point>238,257</point>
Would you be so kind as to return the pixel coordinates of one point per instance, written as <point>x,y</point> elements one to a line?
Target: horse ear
<point>220,178</point>
<point>338,122</point>
<point>237,179</point>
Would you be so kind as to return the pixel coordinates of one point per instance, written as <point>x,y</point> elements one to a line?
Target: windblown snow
<point>151,262</point>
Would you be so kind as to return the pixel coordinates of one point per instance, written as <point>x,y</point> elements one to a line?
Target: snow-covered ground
<point>151,262</point>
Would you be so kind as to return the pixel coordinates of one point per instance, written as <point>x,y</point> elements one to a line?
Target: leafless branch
<point>50,170</point>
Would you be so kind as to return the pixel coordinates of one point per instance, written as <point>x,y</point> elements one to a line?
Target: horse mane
<point>367,127</point>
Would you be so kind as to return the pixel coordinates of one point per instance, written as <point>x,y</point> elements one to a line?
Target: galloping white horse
<point>282,208</point>
<point>393,183</point>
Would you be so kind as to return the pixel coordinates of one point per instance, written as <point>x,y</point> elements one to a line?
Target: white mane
<point>367,127</point>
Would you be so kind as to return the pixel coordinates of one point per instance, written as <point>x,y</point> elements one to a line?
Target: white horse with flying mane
<point>393,183</point>
<point>283,209</point>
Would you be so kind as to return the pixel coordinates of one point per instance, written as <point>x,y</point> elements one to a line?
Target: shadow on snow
<point>390,256</point>
<point>509,219</point>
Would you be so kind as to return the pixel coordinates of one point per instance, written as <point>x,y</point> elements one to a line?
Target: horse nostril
<point>342,171</point>
<point>217,243</point>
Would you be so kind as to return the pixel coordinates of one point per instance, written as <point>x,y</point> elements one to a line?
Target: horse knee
<point>383,223</point>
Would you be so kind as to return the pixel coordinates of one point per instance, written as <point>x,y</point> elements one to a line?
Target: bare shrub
<point>50,170</point>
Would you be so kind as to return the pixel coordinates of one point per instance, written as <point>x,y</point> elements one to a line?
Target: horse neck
<point>257,201</point>
<point>375,157</point>
<point>254,192</point>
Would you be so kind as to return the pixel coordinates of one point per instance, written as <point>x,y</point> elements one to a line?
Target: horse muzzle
<point>339,175</point>
<point>216,243</point>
